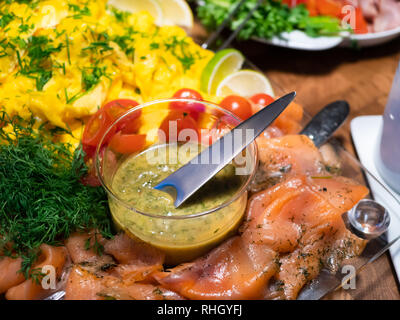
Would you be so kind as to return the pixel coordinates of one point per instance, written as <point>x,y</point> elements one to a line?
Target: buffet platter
<point>86,88</point>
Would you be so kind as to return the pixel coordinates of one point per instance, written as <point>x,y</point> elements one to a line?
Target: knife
<point>326,122</point>
<point>189,178</point>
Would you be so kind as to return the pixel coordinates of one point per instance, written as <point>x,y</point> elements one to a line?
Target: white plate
<point>365,131</point>
<point>301,41</point>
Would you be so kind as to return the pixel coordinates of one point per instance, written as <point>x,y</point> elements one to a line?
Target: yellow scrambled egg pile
<point>62,60</point>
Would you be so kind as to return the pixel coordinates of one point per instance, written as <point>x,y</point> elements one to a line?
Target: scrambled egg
<point>62,60</point>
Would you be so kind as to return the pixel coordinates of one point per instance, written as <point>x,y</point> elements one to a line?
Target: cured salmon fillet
<point>84,285</point>
<point>285,156</point>
<point>128,276</point>
<point>137,260</point>
<point>32,290</point>
<point>234,270</point>
<point>301,218</point>
<point>81,248</point>
<point>286,235</point>
<point>9,273</point>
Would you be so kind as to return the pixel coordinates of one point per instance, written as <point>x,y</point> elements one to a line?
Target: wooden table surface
<point>363,78</point>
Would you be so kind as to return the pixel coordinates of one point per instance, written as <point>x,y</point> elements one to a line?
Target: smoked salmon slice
<point>287,232</point>
<point>137,260</point>
<point>84,285</point>
<point>301,218</point>
<point>32,290</point>
<point>9,273</point>
<point>286,156</point>
<point>234,270</point>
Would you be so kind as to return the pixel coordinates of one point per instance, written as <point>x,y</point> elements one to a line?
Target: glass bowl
<point>196,227</point>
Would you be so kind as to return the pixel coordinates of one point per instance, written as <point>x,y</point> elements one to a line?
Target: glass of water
<point>388,153</point>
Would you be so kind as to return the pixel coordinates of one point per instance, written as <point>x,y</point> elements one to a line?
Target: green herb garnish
<point>42,198</point>
<point>271,19</point>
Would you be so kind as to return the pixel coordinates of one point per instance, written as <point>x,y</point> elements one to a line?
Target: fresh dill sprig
<point>41,196</point>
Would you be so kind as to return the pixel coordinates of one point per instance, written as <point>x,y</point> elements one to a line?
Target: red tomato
<point>180,120</point>
<point>96,127</point>
<point>89,151</point>
<point>238,105</point>
<point>101,121</point>
<point>127,143</point>
<point>361,25</point>
<point>262,99</point>
<point>116,108</point>
<point>209,136</point>
<point>194,109</point>
<point>91,179</point>
<point>312,7</point>
<point>330,8</point>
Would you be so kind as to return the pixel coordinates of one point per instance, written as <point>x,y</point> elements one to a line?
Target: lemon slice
<point>176,12</point>
<point>244,83</point>
<point>151,6</point>
<point>224,63</point>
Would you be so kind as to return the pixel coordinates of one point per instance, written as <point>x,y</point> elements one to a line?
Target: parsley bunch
<point>270,19</point>
<point>41,197</point>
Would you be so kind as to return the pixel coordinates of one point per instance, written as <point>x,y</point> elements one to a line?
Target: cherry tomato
<point>91,178</point>
<point>96,127</point>
<point>194,109</point>
<point>238,105</point>
<point>116,108</point>
<point>209,136</point>
<point>101,121</point>
<point>178,120</point>
<point>262,99</point>
<point>89,151</point>
<point>127,143</point>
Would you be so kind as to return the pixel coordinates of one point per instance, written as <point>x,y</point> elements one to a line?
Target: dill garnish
<point>179,48</point>
<point>91,76</point>
<point>38,64</point>
<point>42,198</point>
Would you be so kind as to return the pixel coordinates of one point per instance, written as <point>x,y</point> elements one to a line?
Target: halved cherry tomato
<point>238,105</point>
<point>101,121</point>
<point>116,108</point>
<point>194,109</point>
<point>127,143</point>
<point>96,127</point>
<point>178,120</point>
<point>262,99</point>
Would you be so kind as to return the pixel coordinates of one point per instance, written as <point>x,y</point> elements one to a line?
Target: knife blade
<point>326,122</point>
<point>192,176</point>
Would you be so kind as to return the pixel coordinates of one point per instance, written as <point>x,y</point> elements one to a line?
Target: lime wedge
<point>151,6</point>
<point>223,63</point>
<point>176,12</point>
<point>244,83</point>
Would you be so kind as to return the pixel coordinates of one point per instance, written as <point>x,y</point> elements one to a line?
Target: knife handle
<point>326,122</point>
